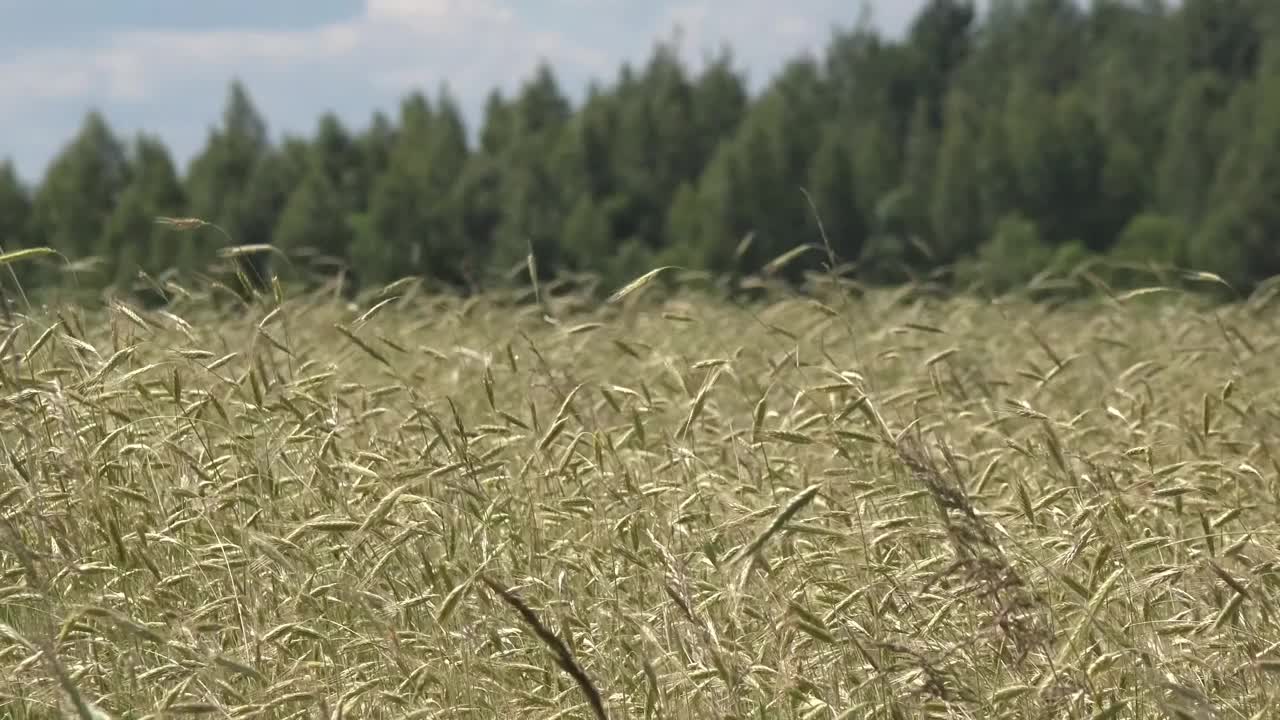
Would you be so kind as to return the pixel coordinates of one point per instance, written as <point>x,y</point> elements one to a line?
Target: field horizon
<point>813,505</point>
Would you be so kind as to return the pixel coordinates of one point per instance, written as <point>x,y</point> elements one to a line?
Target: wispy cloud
<point>133,65</point>
<point>756,29</point>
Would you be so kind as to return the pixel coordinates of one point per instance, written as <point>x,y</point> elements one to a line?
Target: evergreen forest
<point>979,148</point>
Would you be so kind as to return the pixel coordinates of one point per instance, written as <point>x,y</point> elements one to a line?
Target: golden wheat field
<point>830,506</point>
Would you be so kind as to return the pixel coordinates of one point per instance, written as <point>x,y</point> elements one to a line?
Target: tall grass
<point>677,507</point>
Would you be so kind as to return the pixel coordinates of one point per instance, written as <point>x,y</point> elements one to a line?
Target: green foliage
<point>1192,146</point>
<point>532,207</point>
<point>412,225</point>
<point>1131,131</point>
<point>218,185</point>
<point>836,198</point>
<point>313,221</point>
<point>1015,253</point>
<point>15,210</point>
<point>132,240</point>
<point>220,174</point>
<point>1220,246</point>
<point>1155,238</point>
<point>1150,247</point>
<point>586,235</point>
<point>684,228</point>
<point>72,206</point>
<point>956,202</point>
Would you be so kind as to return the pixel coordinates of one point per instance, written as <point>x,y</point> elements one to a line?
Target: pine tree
<point>735,194</point>
<point>1189,158</point>
<point>940,39</point>
<point>534,205</point>
<point>1012,256</point>
<point>313,222</point>
<point>684,234</point>
<point>1074,207</point>
<point>1221,37</point>
<point>1123,189</point>
<point>271,182</point>
<point>1246,218</point>
<point>650,146</point>
<point>719,103</point>
<point>386,246</point>
<point>127,240</point>
<point>956,208</point>
<point>901,242</point>
<point>15,210</point>
<point>373,147</point>
<point>79,193</point>
<point>1152,238</point>
<point>133,240</point>
<point>414,222</point>
<point>541,108</point>
<point>835,195</point>
<point>588,240</point>
<point>15,226</point>
<point>876,164</point>
<point>339,158</point>
<point>585,155</point>
<point>478,197</point>
<point>382,248</point>
<point>920,158</point>
<point>221,172</point>
<point>499,125</point>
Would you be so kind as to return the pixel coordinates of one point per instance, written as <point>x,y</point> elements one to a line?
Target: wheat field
<point>837,505</point>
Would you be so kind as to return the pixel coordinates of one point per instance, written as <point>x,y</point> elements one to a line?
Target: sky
<point>164,67</point>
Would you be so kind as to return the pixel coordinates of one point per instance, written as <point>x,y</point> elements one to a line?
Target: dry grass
<point>428,507</point>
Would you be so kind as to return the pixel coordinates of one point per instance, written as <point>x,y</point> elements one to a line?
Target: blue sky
<point>164,66</point>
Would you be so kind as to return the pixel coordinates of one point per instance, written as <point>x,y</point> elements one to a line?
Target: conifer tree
<point>133,240</point>
<point>313,225</point>
<point>78,195</point>
<point>15,225</point>
<point>218,179</point>
<point>15,209</point>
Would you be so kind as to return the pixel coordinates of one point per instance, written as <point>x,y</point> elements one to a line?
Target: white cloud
<point>388,39</point>
<point>67,74</point>
<point>424,13</point>
<point>758,33</point>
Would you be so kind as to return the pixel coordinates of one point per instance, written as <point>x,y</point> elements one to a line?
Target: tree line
<point>976,148</point>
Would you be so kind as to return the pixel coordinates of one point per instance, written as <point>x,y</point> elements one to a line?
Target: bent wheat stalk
<point>563,657</point>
